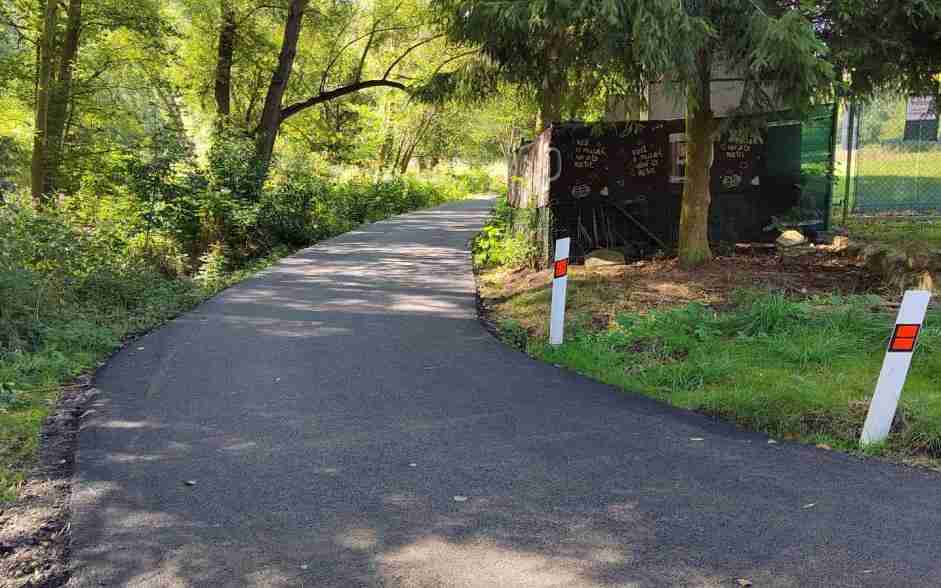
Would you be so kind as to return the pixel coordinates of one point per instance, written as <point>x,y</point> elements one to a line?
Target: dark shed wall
<point>614,186</point>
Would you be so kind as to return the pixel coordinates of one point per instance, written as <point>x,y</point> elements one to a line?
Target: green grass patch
<point>799,369</point>
<point>906,233</point>
<point>891,177</point>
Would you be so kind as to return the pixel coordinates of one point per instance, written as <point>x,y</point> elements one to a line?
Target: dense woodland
<point>153,151</point>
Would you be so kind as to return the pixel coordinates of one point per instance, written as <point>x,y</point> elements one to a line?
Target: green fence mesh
<point>892,171</point>
<point>817,144</point>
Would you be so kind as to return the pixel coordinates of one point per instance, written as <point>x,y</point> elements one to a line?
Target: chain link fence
<point>888,158</point>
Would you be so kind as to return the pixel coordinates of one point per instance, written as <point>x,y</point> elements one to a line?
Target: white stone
<point>791,238</point>
<point>604,257</point>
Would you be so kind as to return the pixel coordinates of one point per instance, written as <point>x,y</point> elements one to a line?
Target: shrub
<point>499,244</point>
<point>212,266</point>
<point>476,180</point>
<point>161,252</point>
<point>513,334</point>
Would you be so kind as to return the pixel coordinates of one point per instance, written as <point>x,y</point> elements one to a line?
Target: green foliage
<point>500,244</point>
<point>882,46</point>
<point>513,334</point>
<point>212,266</point>
<point>789,367</point>
<point>160,251</point>
<point>476,180</point>
<point>544,47</point>
<point>9,154</point>
<point>233,169</point>
<point>10,399</point>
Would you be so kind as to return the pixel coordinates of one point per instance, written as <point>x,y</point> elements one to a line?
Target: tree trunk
<point>553,90</point>
<point>550,102</point>
<point>700,129</point>
<point>223,89</point>
<point>427,120</point>
<point>61,97</point>
<point>44,56</point>
<point>271,113</point>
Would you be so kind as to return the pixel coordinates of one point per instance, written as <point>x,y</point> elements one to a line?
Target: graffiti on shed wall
<point>610,184</point>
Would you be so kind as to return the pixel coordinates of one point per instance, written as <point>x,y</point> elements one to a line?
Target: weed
<point>513,334</point>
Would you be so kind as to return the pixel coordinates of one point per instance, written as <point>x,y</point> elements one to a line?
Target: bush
<point>476,180</point>
<point>498,244</point>
<point>514,334</point>
<point>52,273</point>
<point>212,267</point>
<point>160,251</point>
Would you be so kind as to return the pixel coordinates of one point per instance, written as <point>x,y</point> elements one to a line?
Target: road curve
<point>343,420</point>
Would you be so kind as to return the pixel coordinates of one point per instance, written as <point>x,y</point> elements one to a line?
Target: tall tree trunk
<point>60,98</point>
<point>271,113</point>
<point>223,87</point>
<point>700,133</point>
<point>554,88</point>
<point>550,101</point>
<point>44,55</point>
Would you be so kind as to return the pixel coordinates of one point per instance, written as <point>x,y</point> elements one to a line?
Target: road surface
<point>344,420</point>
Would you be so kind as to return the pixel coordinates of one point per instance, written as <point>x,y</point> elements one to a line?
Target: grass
<point>892,179</point>
<point>796,368</point>
<point>906,233</point>
<point>75,344</point>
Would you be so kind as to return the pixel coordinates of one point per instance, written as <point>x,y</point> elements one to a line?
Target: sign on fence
<point>921,119</point>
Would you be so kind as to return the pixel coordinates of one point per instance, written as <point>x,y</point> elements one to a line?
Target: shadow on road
<point>345,421</point>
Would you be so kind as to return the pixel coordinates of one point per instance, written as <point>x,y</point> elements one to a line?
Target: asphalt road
<point>348,422</point>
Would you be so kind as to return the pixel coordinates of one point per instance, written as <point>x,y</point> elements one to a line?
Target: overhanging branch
<point>399,59</point>
<point>337,93</point>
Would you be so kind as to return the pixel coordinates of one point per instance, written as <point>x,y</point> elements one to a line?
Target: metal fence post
<point>834,121</point>
<point>851,133</point>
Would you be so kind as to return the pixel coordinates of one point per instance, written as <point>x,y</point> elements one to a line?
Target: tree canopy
<point>94,88</point>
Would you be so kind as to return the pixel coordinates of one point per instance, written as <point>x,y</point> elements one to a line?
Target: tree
<point>223,81</point>
<point>271,114</point>
<point>771,47</point>
<point>60,97</point>
<point>45,57</point>
<point>385,22</point>
<point>881,46</point>
<point>535,45</point>
<point>63,30</point>
<point>53,94</point>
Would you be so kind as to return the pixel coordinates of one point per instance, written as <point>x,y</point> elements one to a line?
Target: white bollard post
<point>559,284</point>
<point>898,359</point>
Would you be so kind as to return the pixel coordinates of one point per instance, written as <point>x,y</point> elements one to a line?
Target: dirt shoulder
<point>602,293</point>
<point>34,530</point>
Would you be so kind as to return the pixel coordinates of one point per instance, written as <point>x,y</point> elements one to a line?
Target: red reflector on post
<point>561,268</point>
<point>903,340</point>
<point>906,331</point>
